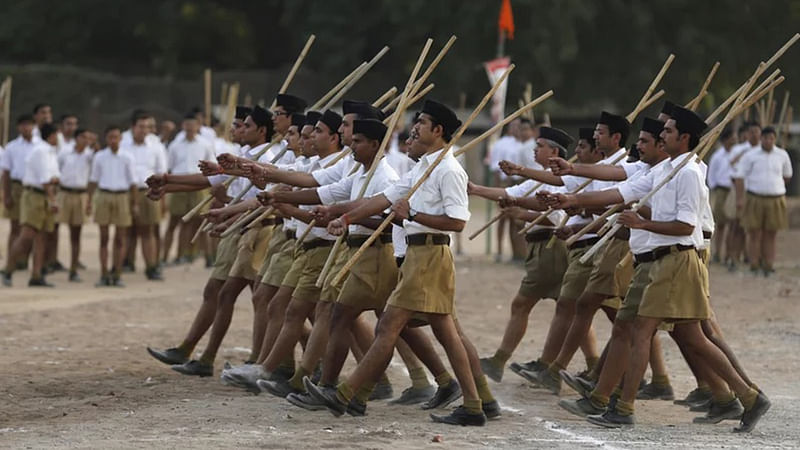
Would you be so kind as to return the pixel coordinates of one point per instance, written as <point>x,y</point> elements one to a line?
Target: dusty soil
<point>76,374</point>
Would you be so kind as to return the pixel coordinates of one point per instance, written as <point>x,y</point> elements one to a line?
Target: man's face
<point>603,139</point>
<point>43,115</point>
<point>426,132</point>
<point>26,130</point>
<point>525,132</point>
<point>191,127</point>
<point>52,139</point>
<point>649,148</point>
<point>585,152</point>
<point>237,128</point>
<point>81,141</point>
<point>167,128</point>
<point>514,128</point>
<point>293,138</point>
<point>69,125</point>
<point>140,130</point>
<point>307,141</point>
<point>364,149</point>
<point>250,134</point>
<point>346,129</point>
<point>768,141</point>
<point>671,138</point>
<point>321,138</point>
<point>113,137</point>
<point>754,135</point>
<point>151,125</point>
<point>281,119</point>
<point>729,142</point>
<point>544,151</point>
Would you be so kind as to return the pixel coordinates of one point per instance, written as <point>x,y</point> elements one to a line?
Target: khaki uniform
<point>718,197</point>
<point>276,241</point>
<point>281,262</point>
<point>226,255</point>
<point>577,273</point>
<point>765,212</point>
<point>601,280</point>
<point>315,253</point>
<point>34,210</point>
<point>678,288</point>
<point>633,297</point>
<point>427,280</point>
<point>544,267</point>
<point>16,199</point>
<point>252,247</point>
<point>71,206</point>
<point>149,210</point>
<point>112,208</point>
<point>180,203</point>
<point>372,279</point>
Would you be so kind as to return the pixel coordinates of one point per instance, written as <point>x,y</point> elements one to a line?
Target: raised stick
<point>651,88</point>
<point>785,132</point>
<point>413,100</point>
<point>402,105</point>
<point>429,70</point>
<point>336,88</point>
<point>6,109</point>
<point>207,96</point>
<point>230,110</point>
<point>553,238</point>
<point>355,79</point>
<point>436,162</point>
<point>694,103</point>
<point>296,66</point>
<point>386,96</point>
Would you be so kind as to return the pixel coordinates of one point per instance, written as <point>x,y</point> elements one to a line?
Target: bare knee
<point>522,305</point>
<point>565,307</point>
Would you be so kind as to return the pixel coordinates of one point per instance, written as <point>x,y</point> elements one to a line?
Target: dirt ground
<point>75,372</point>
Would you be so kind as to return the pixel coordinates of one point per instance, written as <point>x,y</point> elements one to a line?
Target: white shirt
<point>639,241</point>
<point>444,192</point>
<point>336,172</point>
<point>571,184</point>
<point>719,169</point>
<point>520,190</point>
<point>399,161</point>
<point>183,155</point>
<point>503,149</point>
<point>127,138</point>
<point>206,133</point>
<point>681,199</point>
<point>65,145</point>
<point>241,183</point>
<point>41,166</point>
<point>764,171</point>
<point>75,168</point>
<point>317,165</point>
<point>222,146</point>
<point>148,159</point>
<point>113,171</point>
<point>14,157</point>
<point>349,187</point>
<point>301,164</point>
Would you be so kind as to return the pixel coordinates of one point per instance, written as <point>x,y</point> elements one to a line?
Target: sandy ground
<point>76,374</point>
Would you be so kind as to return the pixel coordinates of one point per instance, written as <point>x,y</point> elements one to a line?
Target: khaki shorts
<point>226,255</point>
<point>604,262</point>
<point>306,288</point>
<point>718,197</point>
<point>544,270</point>
<point>112,208</point>
<point>577,274</point>
<point>622,280</point>
<point>297,259</point>
<point>180,203</point>
<point>16,200</point>
<point>633,298</point>
<point>427,280</point>
<point>149,210</point>
<point>765,213</point>
<point>330,293</point>
<point>371,280</point>
<point>276,241</point>
<point>279,264</point>
<point>71,207</point>
<point>34,211</point>
<point>250,253</point>
<point>678,288</point>
<point>732,213</point>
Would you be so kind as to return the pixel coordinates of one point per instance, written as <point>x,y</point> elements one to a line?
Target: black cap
<point>242,112</point>
<point>332,120</point>
<point>312,117</point>
<point>615,123</point>
<point>444,115</point>
<point>363,109</point>
<point>687,121</point>
<point>586,134</point>
<point>668,108</point>
<point>261,116</point>
<point>371,128</point>
<point>652,126</point>
<point>560,137</point>
<point>291,103</point>
<point>298,120</point>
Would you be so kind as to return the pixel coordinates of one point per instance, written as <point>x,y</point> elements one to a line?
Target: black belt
<point>16,181</point>
<point>289,234</point>
<point>316,243</point>
<point>34,189</point>
<point>764,195</point>
<point>660,252</point>
<point>723,188</point>
<point>707,234</point>
<point>271,221</point>
<point>73,190</point>
<point>584,243</point>
<point>538,235</point>
<point>623,234</point>
<point>109,191</point>
<point>358,240</point>
<point>422,239</point>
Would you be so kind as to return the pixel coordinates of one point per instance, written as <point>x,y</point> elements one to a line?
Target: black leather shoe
<point>654,392</point>
<point>104,282</point>
<point>412,396</point>
<point>579,384</point>
<point>751,416</point>
<point>327,396</point>
<point>305,401</point>
<point>719,412</point>
<point>74,278</point>
<point>153,275</point>
<point>116,282</point>
<point>6,276</point>
<point>530,366</point>
<point>582,407</point>
<point>277,388</point>
<point>545,380</point>
<point>56,266</point>
<point>695,396</point>
<point>611,419</point>
<point>171,356</point>
<point>491,370</point>
<point>356,408</point>
<point>39,282</point>
<point>195,368</point>
<point>702,406</point>
<point>491,409</point>
<point>460,416</point>
<point>282,373</point>
<point>444,395</point>
<point>382,391</point>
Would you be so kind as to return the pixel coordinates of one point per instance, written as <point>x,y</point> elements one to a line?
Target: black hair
<point>39,106</point>
<point>112,128</point>
<point>727,132</point>
<point>24,118</point>
<point>67,116</point>
<point>140,115</point>
<point>47,130</point>
<point>742,128</point>
<point>753,123</point>
<point>447,136</point>
<point>525,120</point>
<point>693,139</point>
<point>768,130</point>
<point>80,131</point>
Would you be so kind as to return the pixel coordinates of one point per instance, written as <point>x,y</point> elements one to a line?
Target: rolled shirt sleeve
<point>454,195</point>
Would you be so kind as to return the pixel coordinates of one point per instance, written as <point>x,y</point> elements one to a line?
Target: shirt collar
<point>324,161</point>
<point>429,158</point>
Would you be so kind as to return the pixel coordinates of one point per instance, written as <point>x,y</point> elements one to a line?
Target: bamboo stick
<point>632,116</point>
<point>782,115</point>
<point>413,100</point>
<point>704,89</point>
<point>230,110</point>
<point>424,77</point>
<point>785,134</point>
<point>355,79</point>
<point>223,93</point>
<point>207,96</point>
<point>402,105</point>
<point>324,99</point>
<point>436,162</point>
<point>386,96</point>
<point>296,66</point>
<point>553,238</point>
<point>7,110</point>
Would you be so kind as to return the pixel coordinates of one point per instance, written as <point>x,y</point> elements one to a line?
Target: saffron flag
<point>506,20</point>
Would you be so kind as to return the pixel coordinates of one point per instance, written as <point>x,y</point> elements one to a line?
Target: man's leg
<point>104,238</point>
<point>12,235</point>
<point>20,248</point>
<point>121,241</point>
<point>559,326</point>
<point>145,233</point>
<point>489,404</point>
<point>316,345</point>
<point>515,330</point>
<point>713,332</point>
<point>40,245</point>
<point>718,243</point>
<point>261,299</point>
<point>768,239</point>
<point>659,386</point>
<point>75,247</point>
<point>446,333</point>
<point>754,248</point>
<point>342,321</point>
<point>133,241</point>
<point>222,319</point>
<point>276,312</point>
<point>296,314</point>
<point>173,223</point>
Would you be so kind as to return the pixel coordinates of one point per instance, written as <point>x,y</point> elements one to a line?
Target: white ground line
<point>575,437</point>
